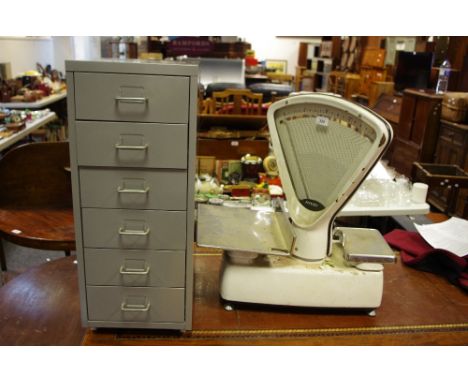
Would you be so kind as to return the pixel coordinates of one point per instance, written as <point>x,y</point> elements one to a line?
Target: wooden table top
<point>41,306</point>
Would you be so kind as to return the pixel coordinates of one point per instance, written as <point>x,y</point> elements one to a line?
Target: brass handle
<point>118,146</point>
<point>135,308</point>
<point>142,100</point>
<point>131,232</point>
<point>122,190</point>
<point>124,271</point>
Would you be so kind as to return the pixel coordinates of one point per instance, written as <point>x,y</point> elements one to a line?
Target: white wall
<point>278,48</point>
<point>63,49</point>
<point>87,47</point>
<point>24,53</point>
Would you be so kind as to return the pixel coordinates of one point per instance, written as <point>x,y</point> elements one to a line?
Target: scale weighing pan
<point>244,230</point>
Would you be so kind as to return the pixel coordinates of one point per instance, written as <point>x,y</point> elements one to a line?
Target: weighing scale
<point>325,146</point>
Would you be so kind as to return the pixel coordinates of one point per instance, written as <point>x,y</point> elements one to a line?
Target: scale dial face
<point>324,148</point>
<point>324,116</point>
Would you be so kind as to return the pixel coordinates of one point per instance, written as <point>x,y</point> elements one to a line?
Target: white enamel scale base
<point>280,280</point>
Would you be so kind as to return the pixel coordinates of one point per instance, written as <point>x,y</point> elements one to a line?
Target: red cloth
<point>417,253</point>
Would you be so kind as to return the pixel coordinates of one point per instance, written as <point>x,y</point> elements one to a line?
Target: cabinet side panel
<point>190,199</point>
<point>76,195</point>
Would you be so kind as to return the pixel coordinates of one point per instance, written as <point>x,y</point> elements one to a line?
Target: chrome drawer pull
<point>118,146</point>
<point>131,232</point>
<point>131,99</point>
<point>122,190</point>
<point>124,271</point>
<point>134,308</point>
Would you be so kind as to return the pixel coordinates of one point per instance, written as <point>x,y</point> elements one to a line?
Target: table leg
<point>3,265</point>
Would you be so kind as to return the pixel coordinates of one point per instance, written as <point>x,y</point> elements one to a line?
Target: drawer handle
<point>135,308</point>
<point>121,190</point>
<point>131,99</point>
<point>131,232</point>
<point>118,146</point>
<point>124,271</point>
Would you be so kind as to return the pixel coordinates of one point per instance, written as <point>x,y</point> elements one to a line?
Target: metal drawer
<point>121,304</point>
<point>109,267</point>
<point>138,229</point>
<point>131,97</point>
<point>136,189</point>
<point>131,144</point>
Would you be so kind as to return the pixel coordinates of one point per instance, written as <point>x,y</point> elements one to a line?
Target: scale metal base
<point>257,267</point>
<point>281,280</point>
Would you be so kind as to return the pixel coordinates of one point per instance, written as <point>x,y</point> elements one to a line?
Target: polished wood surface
<point>417,309</point>
<point>232,148</point>
<point>41,306</point>
<point>35,197</point>
<point>42,228</point>
<point>389,107</point>
<point>241,121</point>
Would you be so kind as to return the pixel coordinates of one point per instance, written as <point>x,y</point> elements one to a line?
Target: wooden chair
<point>236,101</point>
<point>35,198</point>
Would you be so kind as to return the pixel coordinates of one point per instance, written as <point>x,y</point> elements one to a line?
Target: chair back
<point>35,175</point>
<point>236,101</point>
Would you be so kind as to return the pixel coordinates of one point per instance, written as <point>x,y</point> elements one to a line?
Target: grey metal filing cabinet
<point>132,131</point>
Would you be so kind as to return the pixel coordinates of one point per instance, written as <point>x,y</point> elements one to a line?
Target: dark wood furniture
<point>233,148</point>
<point>452,149</point>
<point>35,198</point>
<point>415,136</point>
<point>231,121</point>
<point>452,146</point>
<point>389,107</point>
<point>41,307</point>
<point>445,182</point>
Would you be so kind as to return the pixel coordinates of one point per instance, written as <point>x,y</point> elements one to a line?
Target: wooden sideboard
<point>388,106</point>
<point>417,131</point>
<point>452,148</point>
<point>235,147</point>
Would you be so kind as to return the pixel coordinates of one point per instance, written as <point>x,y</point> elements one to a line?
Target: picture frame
<point>276,66</point>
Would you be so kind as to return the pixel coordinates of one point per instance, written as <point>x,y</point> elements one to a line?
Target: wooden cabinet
<point>415,136</point>
<point>132,149</point>
<point>377,88</point>
<point>344,83</point>
<point>389,107</point>
<point>452,148</point>
<point>239,134</point>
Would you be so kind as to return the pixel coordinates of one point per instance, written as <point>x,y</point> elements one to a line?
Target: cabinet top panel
<point>134,66</point>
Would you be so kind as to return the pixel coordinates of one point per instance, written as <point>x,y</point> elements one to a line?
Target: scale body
<point>325,147</point>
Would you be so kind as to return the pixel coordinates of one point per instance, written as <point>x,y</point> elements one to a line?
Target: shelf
<point>35,105</point>
<point>30,127</point>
